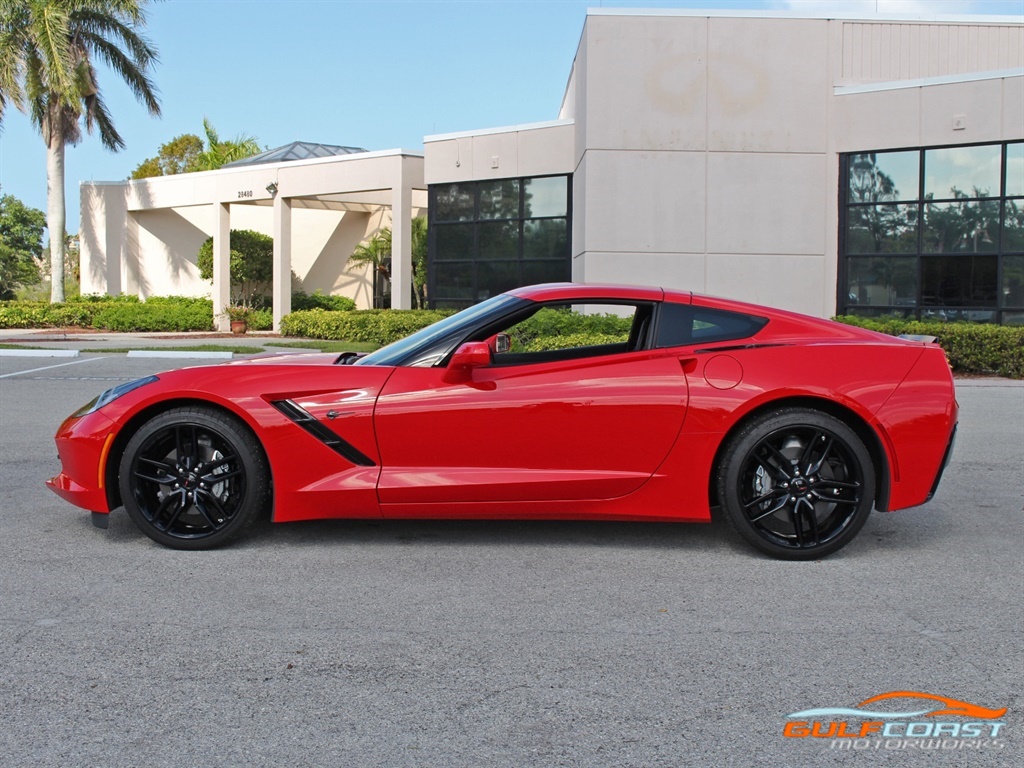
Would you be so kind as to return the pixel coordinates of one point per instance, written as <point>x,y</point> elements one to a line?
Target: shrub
<point>99,298</point>
<point>127,313</point>
<point>560,322</point>
<point>23,314</point>
<point>382,326</point>
<point>156,314</point>
<point>378,326</point>
<point>302,301</point>
<point>970,347</point>
<point>260,319</point>
<point>112,313</point>
<point>251,261</point>
<point>566,341</point>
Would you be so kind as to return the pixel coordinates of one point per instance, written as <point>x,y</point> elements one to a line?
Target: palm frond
<point>101,25</point>
<point>133,75</point>
<point>212,139</point>
<point>96,114</point>
<point>52,39</point>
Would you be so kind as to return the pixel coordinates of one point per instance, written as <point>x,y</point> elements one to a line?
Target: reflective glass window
<point>545,238</point>
<point>877,313</point>
<point>545,196</point>
<point>962,172</point>
<point>882,281</point>
<point>510,232</point>
<point>967,227</point>
<point>950,251</point>
<point>551,271</point>
<point>1015,169</point>
<point>1013,281</point>
<point>884,177</point>
<point>453,241</point>
<point>499,199</point>
<point>453,202</point>
<point>494,277</point>
<point>1013,225</point>
<point>959,281</point>
<point>498,240</point>
<point>881,229</point>
<point>454,281</point>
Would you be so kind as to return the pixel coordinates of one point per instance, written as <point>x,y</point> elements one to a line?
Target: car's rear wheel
<point>194,478</point>
<point>796,483</point>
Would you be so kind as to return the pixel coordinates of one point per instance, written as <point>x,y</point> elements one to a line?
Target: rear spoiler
<point>919,337</point>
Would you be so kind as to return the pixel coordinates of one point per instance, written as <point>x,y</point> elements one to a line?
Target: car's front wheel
<point>194,478</point>
<point>796,483</point>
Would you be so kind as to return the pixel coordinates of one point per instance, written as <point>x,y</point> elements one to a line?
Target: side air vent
<point>308,422</point>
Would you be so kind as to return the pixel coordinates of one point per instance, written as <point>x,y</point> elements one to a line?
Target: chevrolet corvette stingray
<point>795,427</point>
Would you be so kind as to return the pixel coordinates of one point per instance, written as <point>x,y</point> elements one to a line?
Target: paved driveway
<point>478,644</point>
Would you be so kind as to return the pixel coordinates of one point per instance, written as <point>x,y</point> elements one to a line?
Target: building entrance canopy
<point>126,253</point>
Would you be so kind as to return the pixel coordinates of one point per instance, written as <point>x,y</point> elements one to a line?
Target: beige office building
<point>870,165</point>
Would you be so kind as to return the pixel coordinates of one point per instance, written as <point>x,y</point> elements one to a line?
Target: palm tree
<point>219,152</point>
<point>47,50</point>
<point>375,253</point>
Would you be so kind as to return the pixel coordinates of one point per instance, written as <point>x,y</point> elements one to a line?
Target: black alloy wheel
<point>796,483</point>
<point>194,478</point>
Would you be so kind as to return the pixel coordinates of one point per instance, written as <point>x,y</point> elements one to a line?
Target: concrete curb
<point>178,354</point>
<point>39,353</point>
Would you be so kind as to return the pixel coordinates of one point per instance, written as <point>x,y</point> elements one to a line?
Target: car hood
<point>302,358</point>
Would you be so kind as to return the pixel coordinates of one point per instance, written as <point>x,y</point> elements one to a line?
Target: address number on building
<point>245,193</point>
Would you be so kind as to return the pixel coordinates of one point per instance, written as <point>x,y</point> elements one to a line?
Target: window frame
<point>925,259</point>
<point>474,260</point>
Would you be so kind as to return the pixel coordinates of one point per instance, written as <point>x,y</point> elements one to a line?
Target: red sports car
<point>796,427</point>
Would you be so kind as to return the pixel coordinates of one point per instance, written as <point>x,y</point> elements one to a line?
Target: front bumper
<point>83,445</point>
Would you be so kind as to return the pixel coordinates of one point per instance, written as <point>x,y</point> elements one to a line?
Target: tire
<point>194,478</point>
<point>796,483</point>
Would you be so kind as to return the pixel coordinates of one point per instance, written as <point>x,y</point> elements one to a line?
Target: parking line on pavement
<point>48,367</point>
<point>180,354</point>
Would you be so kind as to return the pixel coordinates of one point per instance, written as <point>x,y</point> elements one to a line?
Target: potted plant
<point>238,314</point>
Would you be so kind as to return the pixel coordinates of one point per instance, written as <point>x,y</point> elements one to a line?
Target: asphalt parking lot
<point>492,644</point>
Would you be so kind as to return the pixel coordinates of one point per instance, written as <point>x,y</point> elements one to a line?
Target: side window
<point>683,324</point>
<point>570,331</point>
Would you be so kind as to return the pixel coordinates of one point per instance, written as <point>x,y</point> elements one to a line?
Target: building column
<point>282,289</point>
<point>401,239</point>
<point>221,265</point>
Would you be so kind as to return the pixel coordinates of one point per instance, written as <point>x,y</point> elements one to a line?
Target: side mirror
<point>499,343</point>
<point>472,354</point>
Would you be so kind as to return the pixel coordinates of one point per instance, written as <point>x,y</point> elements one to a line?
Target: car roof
<point>572,291</point>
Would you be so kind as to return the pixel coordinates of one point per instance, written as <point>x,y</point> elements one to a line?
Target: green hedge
<point>970,347</point>
<point>558,322</point>
<point>382,326</point>
<point>543,343</point>
<point>378,326</point>
<point>157,313</point>
<point>113,313</point>
<point>302,301</point>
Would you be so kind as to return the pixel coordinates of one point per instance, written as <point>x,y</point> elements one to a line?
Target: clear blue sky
<point>379,75</point>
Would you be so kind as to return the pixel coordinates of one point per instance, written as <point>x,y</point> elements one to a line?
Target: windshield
<point>428,346</point>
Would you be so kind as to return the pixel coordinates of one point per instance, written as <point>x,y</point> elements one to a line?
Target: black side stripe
<point>308,422</point>
<point>735,347</point>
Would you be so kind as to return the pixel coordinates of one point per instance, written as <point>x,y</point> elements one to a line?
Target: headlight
<point>112,394</point>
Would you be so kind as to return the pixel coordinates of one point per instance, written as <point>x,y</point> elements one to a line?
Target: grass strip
<point>328,346</point>
<point>238,350</point>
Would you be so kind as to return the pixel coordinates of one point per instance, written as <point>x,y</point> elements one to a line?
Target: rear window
<point>683,324</point>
